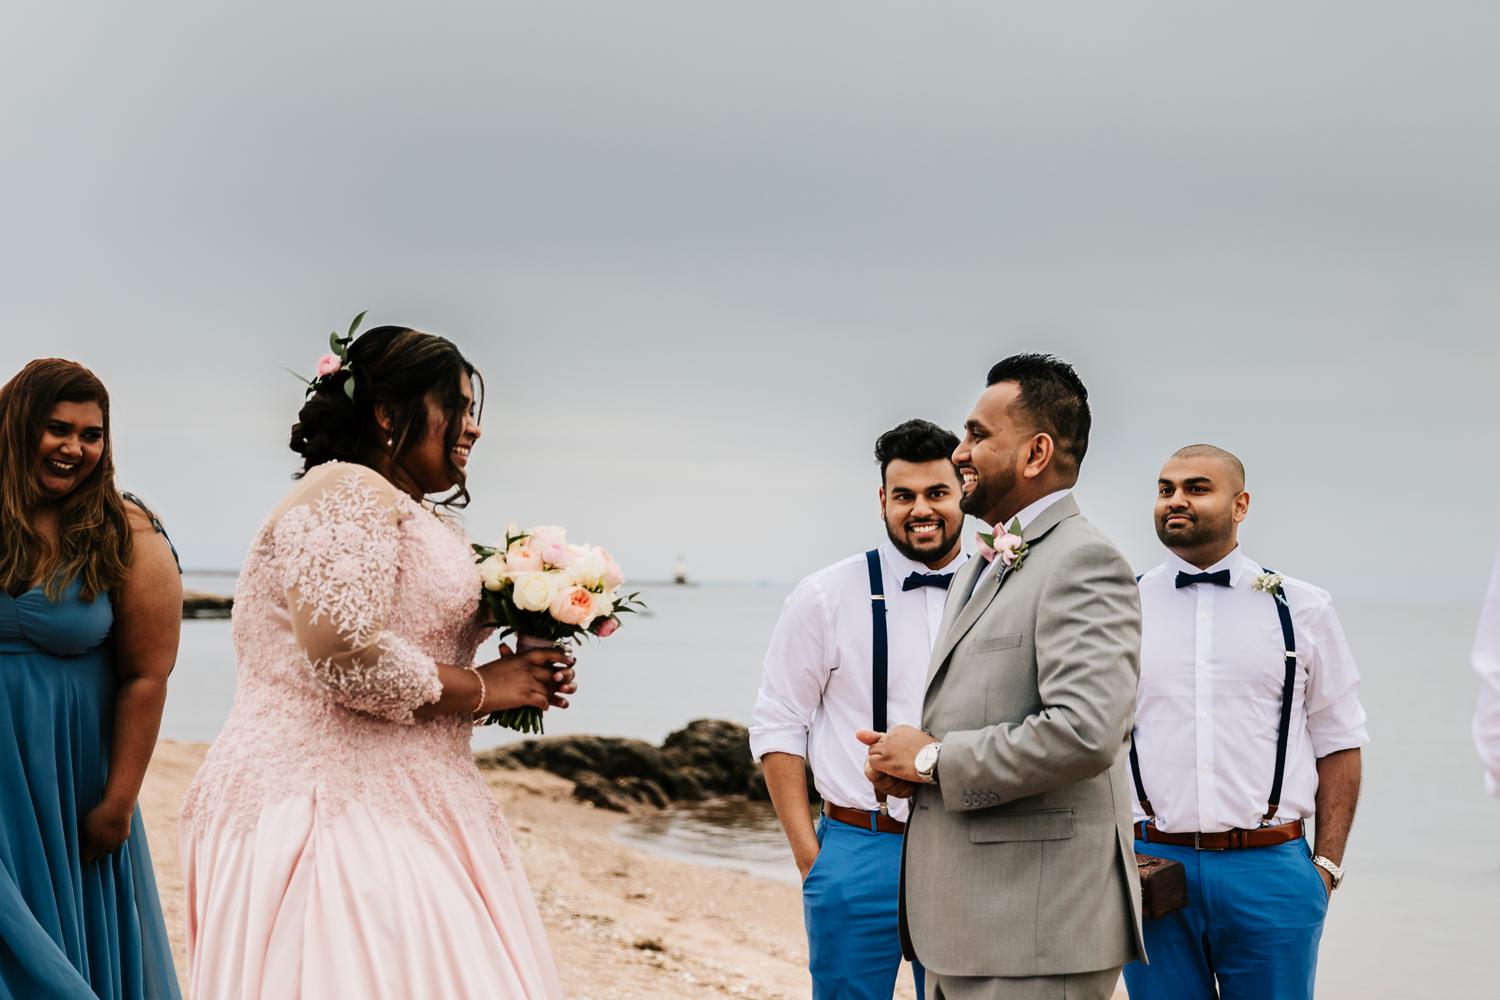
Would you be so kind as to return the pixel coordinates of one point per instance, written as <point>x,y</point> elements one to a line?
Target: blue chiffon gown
<point>67,929</point>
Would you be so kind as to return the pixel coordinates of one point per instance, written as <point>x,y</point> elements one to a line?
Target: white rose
<point>533,591</point>
<point>604,604</point>
<point>492,572</point>
<point>590,568</point>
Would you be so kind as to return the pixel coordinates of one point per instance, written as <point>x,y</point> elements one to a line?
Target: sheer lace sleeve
<point>338,553</point>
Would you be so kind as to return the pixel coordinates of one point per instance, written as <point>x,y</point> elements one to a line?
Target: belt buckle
<point>1198,846</point>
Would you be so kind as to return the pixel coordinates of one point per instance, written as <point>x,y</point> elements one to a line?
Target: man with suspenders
<point>850,652</point>
<point>1248,723</point>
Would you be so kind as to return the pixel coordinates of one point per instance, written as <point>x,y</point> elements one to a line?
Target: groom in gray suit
<point>1019,877</point>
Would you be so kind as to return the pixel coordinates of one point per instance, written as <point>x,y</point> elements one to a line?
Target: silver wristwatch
<point>926,762</point>
<point>1334,871</point>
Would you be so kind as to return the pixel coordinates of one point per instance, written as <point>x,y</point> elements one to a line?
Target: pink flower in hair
<point>328,364</point>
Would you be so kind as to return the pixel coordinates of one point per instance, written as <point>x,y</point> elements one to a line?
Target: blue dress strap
<point>155,523</point>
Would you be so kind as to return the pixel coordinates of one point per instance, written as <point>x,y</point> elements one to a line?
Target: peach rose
<point>523,559</point>
<point>573,606</point>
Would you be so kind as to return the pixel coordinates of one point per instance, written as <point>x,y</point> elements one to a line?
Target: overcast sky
<point>706,252</point>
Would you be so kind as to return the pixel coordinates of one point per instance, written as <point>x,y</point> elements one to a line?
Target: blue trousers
<point>1250,929</point>
<point>850,903</point>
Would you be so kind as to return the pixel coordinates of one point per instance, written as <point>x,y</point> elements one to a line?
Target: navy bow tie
<point>938,580</point>
<point>1219,579</point>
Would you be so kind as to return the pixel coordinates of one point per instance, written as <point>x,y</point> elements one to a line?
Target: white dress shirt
<point>1487,665</point>
<point>818,684</point>
<point>1208,708</point>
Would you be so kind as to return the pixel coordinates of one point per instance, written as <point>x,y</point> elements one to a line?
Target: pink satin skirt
<point>359,905</point>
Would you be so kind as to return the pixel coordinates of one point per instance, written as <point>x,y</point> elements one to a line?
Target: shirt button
<point>1203,714</point>
<point>1204,768</point>
<point>1202,663</point>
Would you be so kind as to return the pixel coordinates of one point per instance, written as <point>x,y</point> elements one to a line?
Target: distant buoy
<point>679,573</point>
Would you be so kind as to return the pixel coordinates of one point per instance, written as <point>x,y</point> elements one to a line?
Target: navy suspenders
<point>879,649</point>
<point>1288,682</point>
<point>1284,732</point>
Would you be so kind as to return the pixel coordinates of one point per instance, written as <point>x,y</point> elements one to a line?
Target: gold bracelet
<point>483,690</point>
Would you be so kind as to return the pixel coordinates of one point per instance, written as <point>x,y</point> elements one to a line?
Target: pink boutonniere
<point>1006,543</point>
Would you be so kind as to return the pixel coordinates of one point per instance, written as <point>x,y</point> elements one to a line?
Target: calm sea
<point>1417,916</point>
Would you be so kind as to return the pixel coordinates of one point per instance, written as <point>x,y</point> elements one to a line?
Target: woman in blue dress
<point>90,610</point>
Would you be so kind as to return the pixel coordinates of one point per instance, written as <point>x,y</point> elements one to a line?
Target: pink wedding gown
<point>332,844</point>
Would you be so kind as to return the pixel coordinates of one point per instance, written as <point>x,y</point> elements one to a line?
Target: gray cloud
<point>754,237</point>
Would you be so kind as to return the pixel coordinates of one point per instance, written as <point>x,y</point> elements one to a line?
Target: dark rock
<point>200,605</point>
<point>600,792</point>
<point>709,758</point>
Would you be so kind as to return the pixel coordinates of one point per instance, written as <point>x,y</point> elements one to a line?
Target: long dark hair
<point>395,367</point>
<point>94,538</point>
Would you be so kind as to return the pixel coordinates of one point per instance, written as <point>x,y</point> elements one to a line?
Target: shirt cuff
<point>1324,744</point>
<point>764,741</point>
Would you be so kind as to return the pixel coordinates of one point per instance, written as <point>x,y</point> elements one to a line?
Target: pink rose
<point>613,576</point>
<point>544,535</point>
<point>523,559</point>
<point>607,627</point>
<point>1008,546</point>
<point>572,606</point>
<point>558,555</point>
<point>328,364</point>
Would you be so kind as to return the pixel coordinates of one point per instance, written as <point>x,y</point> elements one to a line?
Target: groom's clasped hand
<point>891,764</point>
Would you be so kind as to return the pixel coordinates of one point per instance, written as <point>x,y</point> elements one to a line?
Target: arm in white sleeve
<point>797,667</point>
<point>1335,717</point>
<point>1486,661</point>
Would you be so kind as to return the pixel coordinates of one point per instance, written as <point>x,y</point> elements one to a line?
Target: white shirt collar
<point>1034,510</point>
<point>1235,562</point>
<point>904,567</point>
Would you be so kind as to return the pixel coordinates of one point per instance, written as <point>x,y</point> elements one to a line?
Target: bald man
<point>1248,723</point>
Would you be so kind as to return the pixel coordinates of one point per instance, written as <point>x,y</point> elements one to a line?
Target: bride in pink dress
<point>338,840</point>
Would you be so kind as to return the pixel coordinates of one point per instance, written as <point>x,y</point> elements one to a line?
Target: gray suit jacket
<point>1020,861</point>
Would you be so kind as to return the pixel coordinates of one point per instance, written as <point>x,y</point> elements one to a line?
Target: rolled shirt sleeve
<point>1335,717</point>
<point>1486,661</point>
<point>796,671</point>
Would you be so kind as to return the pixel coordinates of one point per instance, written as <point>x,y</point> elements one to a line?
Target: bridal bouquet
<point>547,592</point>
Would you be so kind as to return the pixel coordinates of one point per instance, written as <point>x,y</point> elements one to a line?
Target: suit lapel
<point>958,616</point>
<point>960,619</point>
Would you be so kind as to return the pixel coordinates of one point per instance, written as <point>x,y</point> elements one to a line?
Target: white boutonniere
<point>1269,583</point>
<point>1006,543</point>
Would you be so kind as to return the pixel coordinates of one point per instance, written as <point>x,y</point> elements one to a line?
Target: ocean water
<point>1417,916</point>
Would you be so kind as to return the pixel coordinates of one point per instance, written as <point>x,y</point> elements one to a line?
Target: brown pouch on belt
<point>1163,885</point>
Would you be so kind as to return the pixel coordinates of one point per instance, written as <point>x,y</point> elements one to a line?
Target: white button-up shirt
<point>1208,708</point>
<point>1487,665</point>
<point>818,684</point>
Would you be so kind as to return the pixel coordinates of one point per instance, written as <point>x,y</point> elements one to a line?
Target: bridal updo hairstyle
<point>396,367</point>
<point>94,538</point>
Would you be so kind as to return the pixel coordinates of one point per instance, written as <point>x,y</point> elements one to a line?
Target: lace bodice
<point>351,596</point>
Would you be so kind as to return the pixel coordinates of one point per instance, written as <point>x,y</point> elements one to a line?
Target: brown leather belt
<point>1228,840</point>
<point>861,818</point>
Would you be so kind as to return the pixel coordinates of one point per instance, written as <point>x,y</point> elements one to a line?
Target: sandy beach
<point>623,924</point>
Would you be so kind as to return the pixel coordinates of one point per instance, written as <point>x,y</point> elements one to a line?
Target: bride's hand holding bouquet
<point>549,594</point>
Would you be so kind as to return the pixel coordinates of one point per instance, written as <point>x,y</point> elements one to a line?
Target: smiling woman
<point>82,685</point>
<point>339,840</point>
